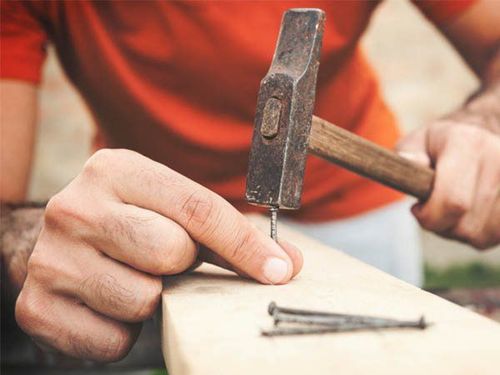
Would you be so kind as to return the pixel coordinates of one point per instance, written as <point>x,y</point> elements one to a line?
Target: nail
<point>274,308</point>
<point>284,314</point>
<point>275,270</point>
<point>274,222</point>
<point>420,324</point>
<point>346,320</point>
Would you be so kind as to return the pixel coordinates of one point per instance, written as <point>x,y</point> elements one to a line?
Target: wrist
<point>481,110</point>
<point>20,225</point>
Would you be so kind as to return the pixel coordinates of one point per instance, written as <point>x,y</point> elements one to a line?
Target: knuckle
<point>116,345</point>
<point>57,210</point>
<point>29,311</point>
<point>105,160</point>
<point>481,242</point>
<point>181,255</point>
<point>473,135</point>
<point>465,232</point>
<point>149,301</point>
<point>138,304</point>
<point>45,265</point>
<point>113,347</point>
<point>167,264</point>
<point>427,224</point>
<point>65,211</point>
<point>474,235</point>
<point>456,204</point>
<point>80,346</point>
<point>106,288</point>
<point>424,220</point>
<point>197,209</point>
<point>99,162</point>
<point>39,264</point>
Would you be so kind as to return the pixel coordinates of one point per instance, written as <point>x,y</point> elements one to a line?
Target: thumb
<point>206,255</point>
<point>413,147</point>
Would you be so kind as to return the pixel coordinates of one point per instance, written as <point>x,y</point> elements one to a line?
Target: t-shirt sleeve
<point>23,42</point>
<point>441,11</point>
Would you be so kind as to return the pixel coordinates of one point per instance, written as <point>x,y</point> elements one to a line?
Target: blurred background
<point>422,78</point>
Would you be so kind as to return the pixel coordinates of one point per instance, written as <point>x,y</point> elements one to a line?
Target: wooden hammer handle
<point>368,159</point>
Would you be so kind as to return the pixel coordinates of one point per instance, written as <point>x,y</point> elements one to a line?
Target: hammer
<point>285,128</point>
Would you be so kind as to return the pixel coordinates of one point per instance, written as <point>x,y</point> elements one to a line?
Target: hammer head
<point>284,113</point>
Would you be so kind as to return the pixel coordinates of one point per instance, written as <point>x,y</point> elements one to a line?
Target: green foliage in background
<point>473,275</point>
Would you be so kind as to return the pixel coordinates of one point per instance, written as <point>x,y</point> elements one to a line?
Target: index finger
<point>207,217</point>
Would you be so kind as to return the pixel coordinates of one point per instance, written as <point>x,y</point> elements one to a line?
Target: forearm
<point>482,109</point>
<point>17,126</point>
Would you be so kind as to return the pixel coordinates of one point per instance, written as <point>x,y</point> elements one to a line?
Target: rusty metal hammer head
<point>284,112</point>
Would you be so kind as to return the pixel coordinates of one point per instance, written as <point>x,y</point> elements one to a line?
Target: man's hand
<point>94,273</point>
<point>464,147</point>
<point>465,201</point>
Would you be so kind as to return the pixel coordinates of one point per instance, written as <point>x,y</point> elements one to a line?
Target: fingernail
<point>275,270</point>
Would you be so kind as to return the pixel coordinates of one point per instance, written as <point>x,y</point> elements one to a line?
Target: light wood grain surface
<point>212,321</point>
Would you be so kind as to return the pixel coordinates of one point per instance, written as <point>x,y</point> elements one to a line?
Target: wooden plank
<point>212,321</point>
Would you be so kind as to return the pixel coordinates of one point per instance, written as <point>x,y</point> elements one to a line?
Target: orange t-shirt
<point>178,82</point>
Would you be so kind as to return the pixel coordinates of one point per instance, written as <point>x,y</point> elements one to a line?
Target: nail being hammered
<point>274,222</point>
